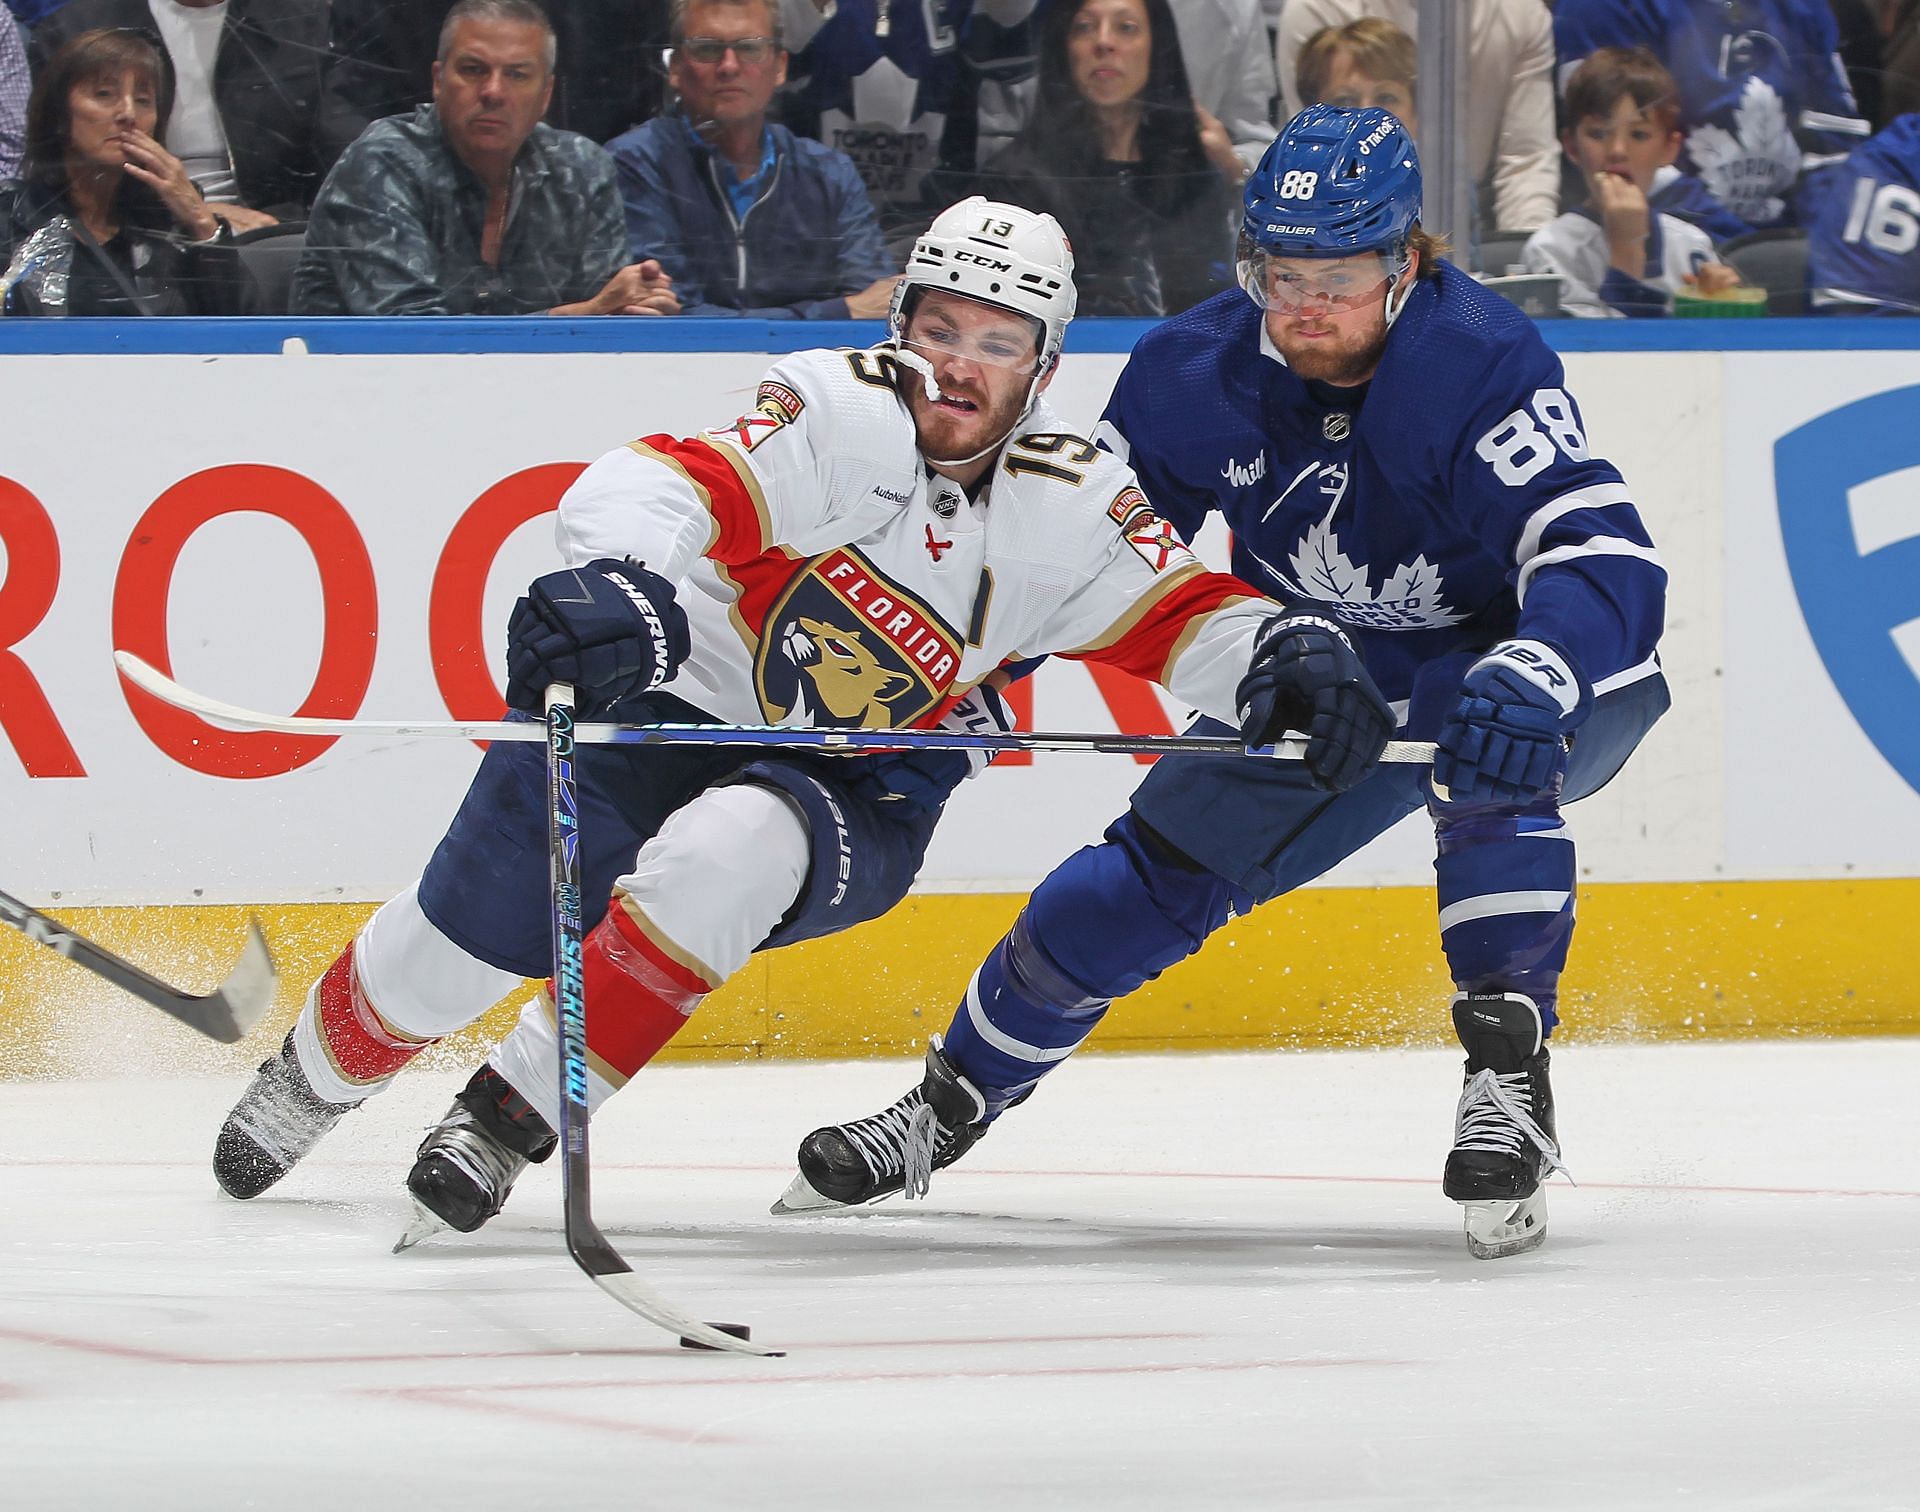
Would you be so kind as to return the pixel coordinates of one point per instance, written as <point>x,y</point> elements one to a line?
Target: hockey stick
<point>225,1014</point>
<point>233,717</point>
<point>589,1247</point>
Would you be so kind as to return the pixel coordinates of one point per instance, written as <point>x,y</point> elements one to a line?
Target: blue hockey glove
<point>926,779</point>
<point>611,628</point>
<point>1307,677</point>
<point>1505,741</point>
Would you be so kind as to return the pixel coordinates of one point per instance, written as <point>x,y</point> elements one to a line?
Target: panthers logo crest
<point>845,649</point>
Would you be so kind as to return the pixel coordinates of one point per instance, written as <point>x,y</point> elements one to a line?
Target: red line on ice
<point>171,1357</point>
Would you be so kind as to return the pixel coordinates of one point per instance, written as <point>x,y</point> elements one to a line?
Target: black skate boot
<point>472,1157</point>
<point>896,1149</point>
<point>1503,1137</point>
<point>278,1119</point>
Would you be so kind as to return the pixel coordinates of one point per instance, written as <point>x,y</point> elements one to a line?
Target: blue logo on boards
<point>1854,600</point>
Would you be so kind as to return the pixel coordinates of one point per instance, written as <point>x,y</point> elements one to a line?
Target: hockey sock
<point>1506,885</point>
<point>642,996</point>
<point>346,1049</point>
<point>1109,918</point>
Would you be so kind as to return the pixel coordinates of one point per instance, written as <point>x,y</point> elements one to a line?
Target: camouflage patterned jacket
<point>396,229</point>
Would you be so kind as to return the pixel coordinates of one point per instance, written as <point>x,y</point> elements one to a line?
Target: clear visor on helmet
<point>1277,282</point>
<point>1010,342</point>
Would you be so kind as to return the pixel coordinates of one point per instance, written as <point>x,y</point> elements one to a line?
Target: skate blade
<point>424,1225</point>
<point>800,1197</point>
<point>1496,1230</point>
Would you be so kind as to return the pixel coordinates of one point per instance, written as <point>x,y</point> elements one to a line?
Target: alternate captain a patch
<point>843,648</point>
<point>775,405</point>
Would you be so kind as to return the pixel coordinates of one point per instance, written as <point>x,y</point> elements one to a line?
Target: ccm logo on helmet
<point>961,254</point>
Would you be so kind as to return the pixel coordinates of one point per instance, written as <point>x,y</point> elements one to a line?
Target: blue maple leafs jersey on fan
<point>1864,228</point>
<point>881,91</point>
<point>1455,505</point>
<point>1763,95</point>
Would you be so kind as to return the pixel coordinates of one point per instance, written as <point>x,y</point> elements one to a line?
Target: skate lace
<point>282,1116</point>
<point>489,1164</point>
<point>1493,1115</point>
<point>902,1140</point>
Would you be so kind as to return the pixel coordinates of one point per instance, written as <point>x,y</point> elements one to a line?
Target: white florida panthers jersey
<point>830,579</point>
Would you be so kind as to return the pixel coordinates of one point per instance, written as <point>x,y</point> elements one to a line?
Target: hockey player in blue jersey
<point>1400,463</point>
<point>1764,101</point>
<point>1865,226</point>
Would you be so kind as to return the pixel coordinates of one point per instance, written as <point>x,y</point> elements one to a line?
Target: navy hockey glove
<point>1307,677</point>
<point>611,628</point>
<point>1505,741</point>
<point>926,779</point>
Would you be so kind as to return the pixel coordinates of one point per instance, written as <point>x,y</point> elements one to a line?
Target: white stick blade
<point>250,987</point>
<point>636,1296</point>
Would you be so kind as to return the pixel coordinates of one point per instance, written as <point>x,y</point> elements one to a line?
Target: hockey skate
<point>470,1160</point>
<point>278,1119</point>
<point>897,1149</point>
<point>1503,1138</point>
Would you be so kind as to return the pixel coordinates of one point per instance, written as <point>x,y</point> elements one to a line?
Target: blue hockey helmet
<point>1337,181</point>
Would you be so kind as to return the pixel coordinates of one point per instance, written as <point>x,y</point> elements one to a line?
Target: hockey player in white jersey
<point>871,545</point>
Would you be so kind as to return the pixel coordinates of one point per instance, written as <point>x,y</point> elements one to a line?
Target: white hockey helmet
<point>1001,255</point>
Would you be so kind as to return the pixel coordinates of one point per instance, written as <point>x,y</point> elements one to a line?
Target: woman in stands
<point>104,220</point>
<point>1114,153</point>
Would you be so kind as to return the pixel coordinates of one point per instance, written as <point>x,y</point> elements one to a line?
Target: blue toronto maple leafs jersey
<point>882,90</point>
<point>1763,96</point>
<point>1863,232</point>
<point>1454,505</point>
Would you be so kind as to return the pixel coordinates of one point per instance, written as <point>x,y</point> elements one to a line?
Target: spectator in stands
<point>1616,255</point>
<point>747,218</point>
<point>104,220</point>
<point>607,66</point>
<point>1900,60</point>
<point>16,83</point>
<point>1764,101</point>
<point>1369,62</point>
<point>471,205</point>
<point>246,93</point>
<point>1863,228</point>
<point>1860,38</point>
<point>1114,154</point>
<point>900,88</point>
<point>1508,100</point>
<point>1230,73</point>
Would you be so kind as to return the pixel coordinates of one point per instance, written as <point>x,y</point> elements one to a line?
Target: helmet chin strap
<point>924,368</point>
<point>1402,284</point>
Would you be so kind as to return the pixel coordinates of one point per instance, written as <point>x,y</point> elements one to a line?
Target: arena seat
<point>268,257</point>
<point>1775,261</point>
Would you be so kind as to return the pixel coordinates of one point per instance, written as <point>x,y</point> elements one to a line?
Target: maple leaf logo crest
<point>1410,598</point>
<point>1750,168</point>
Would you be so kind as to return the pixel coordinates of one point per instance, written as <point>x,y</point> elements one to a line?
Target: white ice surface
<point>1168,1282</point>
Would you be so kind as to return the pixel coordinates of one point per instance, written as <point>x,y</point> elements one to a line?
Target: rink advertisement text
<point>345,535</point>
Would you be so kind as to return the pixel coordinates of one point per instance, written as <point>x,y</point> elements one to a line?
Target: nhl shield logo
<point>944,501</point>
<point>1336,425</point>
<point>845,649</point>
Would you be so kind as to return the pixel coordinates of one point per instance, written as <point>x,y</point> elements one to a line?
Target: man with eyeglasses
<point>1396,455</point>
<point>472,205</point>
<point>747,218</point>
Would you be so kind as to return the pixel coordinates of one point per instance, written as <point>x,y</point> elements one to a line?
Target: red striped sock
<point>639,996</point>
<point>362,1046</point>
